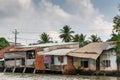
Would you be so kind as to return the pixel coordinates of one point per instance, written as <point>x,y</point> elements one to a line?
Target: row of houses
<point>63,57</point>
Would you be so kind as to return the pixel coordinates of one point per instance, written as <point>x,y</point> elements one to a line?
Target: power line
<point>16,33</point>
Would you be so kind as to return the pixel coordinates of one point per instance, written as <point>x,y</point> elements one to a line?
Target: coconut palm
<point>66,34</point>
<point>76,38</point>
<point>81,39</point>
<point>94,38</point>
<point>44,38</point>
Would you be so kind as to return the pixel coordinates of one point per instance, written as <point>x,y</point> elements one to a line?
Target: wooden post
<point>24,70</point>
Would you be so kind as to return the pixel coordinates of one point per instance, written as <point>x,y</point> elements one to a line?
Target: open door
<point>98,64</point>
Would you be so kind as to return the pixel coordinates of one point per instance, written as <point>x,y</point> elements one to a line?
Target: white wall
<point>10,63</point>
<point>15,55</point>
<point>18,62</point>
<point>30,62</point>
<point>108,55</point>
<point>57,62</point>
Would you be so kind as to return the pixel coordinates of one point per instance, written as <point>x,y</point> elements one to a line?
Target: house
<point>95,56</point>
<point>20,57</point>
<point>26,57</point>
<point>56,60</point>
<point>2,51</point>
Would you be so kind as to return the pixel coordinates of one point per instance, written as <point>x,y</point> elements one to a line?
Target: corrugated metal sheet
<point>20,49</point>
<point>51,44</point>
<point>56,52</point>
<point>2,51</point>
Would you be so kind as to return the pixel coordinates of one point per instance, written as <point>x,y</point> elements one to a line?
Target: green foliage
<point>113,37</point>
<point>76,38</point>
<point>66,34</point>
<point>44,38</point>
<point>118,59</point>
<point>94,38</point>
<point>117,48</point>
<point>3,43</point>
<point>116,21</point>
<point>116,37</point>
<point>81,39</point>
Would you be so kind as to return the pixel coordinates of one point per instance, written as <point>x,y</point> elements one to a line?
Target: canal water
<point>20,76</point>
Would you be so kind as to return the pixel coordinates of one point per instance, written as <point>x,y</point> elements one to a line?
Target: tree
<point>94,38</point>
<point>3,43</point>
<point>81,39</point>
<point>44,38</point>
<point>116,30</point>
<point>66,34</point>
<point>117,50</point>
<point>76,38</point>
<point>116,26</point>
<point>113,37</point>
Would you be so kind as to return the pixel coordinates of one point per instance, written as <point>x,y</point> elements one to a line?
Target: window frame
<point>107,63</point>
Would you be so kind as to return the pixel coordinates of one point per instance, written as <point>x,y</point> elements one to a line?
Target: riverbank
<point>26,76</point>
<point>78,72</point>
<point>98,73</point>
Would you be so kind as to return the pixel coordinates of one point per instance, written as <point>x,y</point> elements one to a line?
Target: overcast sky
<point>33,17</point>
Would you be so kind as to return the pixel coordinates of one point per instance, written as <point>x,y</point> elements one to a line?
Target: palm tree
<point>94,38</point>
<point>44,38</point>
<point>65,34</point>
<point>81,39</point>
<point>76,38</point>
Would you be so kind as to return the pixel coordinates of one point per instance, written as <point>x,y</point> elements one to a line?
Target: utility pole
<point>16,33</point>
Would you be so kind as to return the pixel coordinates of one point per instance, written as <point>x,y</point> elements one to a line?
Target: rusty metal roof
<point>92,50</point>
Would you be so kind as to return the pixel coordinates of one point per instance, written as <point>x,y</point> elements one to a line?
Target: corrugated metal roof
<point>51,44</point>
<point>20,49</point>
<point>56,52</point>
<point>2,51</point>
<point>92,50</point>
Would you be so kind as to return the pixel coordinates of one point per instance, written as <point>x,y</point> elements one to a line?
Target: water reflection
<point>19,76</point>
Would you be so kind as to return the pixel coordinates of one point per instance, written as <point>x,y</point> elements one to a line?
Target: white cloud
<point>90,19</point>
<point>48,17</point>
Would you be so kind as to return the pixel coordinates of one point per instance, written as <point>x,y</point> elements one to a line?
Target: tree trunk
<point>118,67</point>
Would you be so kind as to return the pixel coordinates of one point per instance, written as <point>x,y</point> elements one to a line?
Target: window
<point>61,59</point>
<point>84,64</point>
<point>106,63</point>
<point>52,59</point>
<point>30,55</point>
